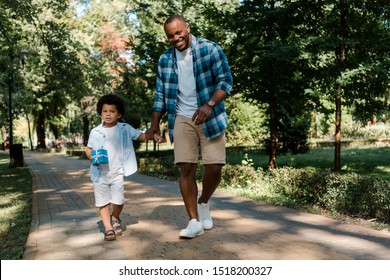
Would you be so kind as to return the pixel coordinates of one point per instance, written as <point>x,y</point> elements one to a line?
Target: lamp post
<point>10,88</point>
<point>15,150</point>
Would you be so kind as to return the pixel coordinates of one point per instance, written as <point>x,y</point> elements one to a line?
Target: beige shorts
<point>190,141</point>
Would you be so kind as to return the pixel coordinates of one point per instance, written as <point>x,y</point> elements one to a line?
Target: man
<point>193,80</point>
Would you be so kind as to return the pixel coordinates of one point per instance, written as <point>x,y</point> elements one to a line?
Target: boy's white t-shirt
<point>123,151</point>
<point>112,144</point>
<point>186,99</point>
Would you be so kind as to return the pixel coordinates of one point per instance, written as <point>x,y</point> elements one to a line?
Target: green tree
<point>14,41</point>
<point>41,26</point>
<point>109,61</point>
<point>352,50</point>
<point>244,119</point>
<point>270,64</point>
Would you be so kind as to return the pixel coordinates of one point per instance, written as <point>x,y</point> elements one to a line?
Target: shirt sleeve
<point>134,133</point>
<point>90,140</point>
<point>221,70</point>
<point>159,98</point>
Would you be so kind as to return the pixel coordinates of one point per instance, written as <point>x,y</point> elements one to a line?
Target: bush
<point>240,176</point>
<point>245,121</point>
<point>311,188</point>
<point>356,195</point>
<point>338,193</point>
<point>303,186</point>
<point>162,167</point>
<point>361,131</point>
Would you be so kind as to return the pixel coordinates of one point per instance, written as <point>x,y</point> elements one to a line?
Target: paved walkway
<point>66,225</point>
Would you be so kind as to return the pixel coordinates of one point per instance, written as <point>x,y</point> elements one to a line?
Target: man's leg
<point>210,182</point>
<point>189,192</point>
<point>186,156</point>
<point>214,158</point>
<point>189,188</point>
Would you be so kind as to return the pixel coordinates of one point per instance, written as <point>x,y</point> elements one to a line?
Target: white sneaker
<point>193,229</point>
<point>204,215</point>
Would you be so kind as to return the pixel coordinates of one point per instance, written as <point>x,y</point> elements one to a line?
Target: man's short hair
<point>175,17</point>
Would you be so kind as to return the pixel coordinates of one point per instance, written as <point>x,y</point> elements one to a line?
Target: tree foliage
<point>287,54</point>
<point>293,59</point>
<point>352,59</point>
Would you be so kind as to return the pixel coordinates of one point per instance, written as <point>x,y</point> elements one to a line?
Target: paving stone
<point>66,224</point>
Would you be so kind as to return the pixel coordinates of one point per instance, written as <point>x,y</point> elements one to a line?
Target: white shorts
<point>109,189</point>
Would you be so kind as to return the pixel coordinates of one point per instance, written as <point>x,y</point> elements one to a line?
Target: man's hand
<point>201,114</point>
<point>150,133</point>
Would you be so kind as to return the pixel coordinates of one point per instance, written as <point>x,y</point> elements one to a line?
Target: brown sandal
<point>109,235</point>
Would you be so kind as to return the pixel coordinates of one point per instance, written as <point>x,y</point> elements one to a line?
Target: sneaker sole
<point>190,237</point>
<point>207,228</point>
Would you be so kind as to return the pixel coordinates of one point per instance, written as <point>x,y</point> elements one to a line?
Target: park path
<point>66,225</point>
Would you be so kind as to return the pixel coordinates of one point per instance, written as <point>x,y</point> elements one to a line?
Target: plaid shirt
<point>211,72</point>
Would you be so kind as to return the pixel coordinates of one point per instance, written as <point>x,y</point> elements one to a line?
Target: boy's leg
<point>116,211</point>
<point>102,200</point>
<point>116,222</point>
<point>117,201</point>
<point>105,216</point>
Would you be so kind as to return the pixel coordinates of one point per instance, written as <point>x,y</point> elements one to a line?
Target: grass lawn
<point>15,209</point>
<point>369,161</point>
<point>366,160</point>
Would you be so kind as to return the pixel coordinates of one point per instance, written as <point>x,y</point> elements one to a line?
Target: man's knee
<point>187,169</point>
<point>215,169</point>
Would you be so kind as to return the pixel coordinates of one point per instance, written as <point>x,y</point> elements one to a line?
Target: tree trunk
<point>41,130</point>
<point>273,121</point>
<point>314,132</point>
<point>273,132</point>
<point>341,58</point>
<point>85,129</point>
<point>337,141</point>
<point>29,133</point>
<point>55,131</point>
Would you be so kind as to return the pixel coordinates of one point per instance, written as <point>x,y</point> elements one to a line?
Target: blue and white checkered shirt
<point>211,72</point>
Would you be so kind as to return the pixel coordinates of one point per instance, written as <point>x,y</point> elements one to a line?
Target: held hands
<point>150,132</point>
<point>157,137</point>
<point>153,134</point>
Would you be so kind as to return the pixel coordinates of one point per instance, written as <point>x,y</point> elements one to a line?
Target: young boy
<point>113,139</point>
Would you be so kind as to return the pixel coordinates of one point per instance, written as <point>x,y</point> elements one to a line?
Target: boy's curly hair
<point>111,99</point>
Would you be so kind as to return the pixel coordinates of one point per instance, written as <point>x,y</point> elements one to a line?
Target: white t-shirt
<point>186,100</point>
<point>112,144</point>
<point>120,147</point>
